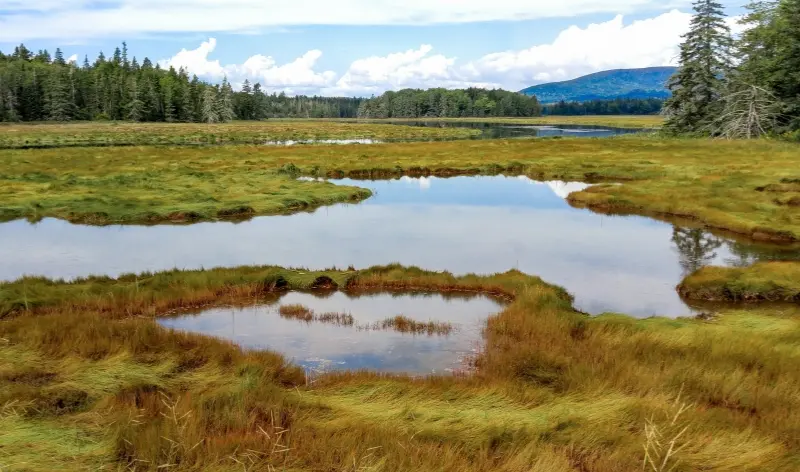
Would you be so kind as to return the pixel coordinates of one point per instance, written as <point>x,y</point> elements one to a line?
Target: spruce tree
<point>135,108</point>
<point>209,106</point>
<point>225,111</point>
<point>705,62</point>
<point>59,104</point>
<point>785,75</point>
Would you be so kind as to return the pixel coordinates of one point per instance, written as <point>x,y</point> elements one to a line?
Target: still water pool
<point>320,346</point>
<point>463,225</point>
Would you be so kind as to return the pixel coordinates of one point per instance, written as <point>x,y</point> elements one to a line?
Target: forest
<point>619,106</point>
<point>41,87</point>
<point>444,103</point>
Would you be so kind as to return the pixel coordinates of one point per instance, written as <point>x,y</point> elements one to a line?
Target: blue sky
<point>361,47</point>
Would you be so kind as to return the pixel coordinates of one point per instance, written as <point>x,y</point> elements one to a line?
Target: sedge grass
<point>721,184</point>
<point>60,135</point>
<point>765,281</point>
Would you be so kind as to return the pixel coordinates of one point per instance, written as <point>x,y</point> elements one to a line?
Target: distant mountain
<point>607,85</point>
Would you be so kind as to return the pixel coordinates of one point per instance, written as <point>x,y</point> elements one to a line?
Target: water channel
<point>463,225</point>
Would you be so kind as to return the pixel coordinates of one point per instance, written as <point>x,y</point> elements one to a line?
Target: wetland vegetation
<point>89,378</point>
<point>92,376</point>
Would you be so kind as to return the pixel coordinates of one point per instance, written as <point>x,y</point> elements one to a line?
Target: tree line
<point>39,87</point>
<point>445,103</point>
<point>619,106</point>
<point>741,87</point>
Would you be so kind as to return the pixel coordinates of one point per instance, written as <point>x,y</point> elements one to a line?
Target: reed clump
<point>303,313</point>
<point>296,312</point>
<point>404,324</point>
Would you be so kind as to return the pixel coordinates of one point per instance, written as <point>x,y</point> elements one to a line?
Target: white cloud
<point>574,52</point>
<point>578,51</point>
<point>297,76</point>
<point>196,61</point>
<point>414,68</point>
<point>36,19</point>
<point>72,58</point>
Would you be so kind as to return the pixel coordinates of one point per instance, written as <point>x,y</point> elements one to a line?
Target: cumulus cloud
<point>574,52</point>
<point>297,76</point>
<point>35,19</point>
<point>415,68</point>
<point>577,51</point>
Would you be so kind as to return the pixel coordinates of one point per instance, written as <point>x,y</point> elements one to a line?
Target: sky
<point>363,47</point>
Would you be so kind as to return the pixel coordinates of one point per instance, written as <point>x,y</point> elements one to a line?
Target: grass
<point>303,313</point>
<point>404,324</point>
<point>740,186</point>
<point>103,385</point>
<point>296,312</point>
<point>770,281</point>
<point>44,135</point>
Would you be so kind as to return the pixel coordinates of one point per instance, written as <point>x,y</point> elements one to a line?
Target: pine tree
<point>59,104</point>
<point>136,107</point>
<point>705,62</point>
<point>225,111</point>
<point>59,58</point>
<point>209,106</point>
<point>785,75</point>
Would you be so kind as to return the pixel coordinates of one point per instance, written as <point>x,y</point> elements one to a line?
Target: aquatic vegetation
<point>303,313</point>
<point>103,385</point>
<point>404,324</point>
<point>296,312</point>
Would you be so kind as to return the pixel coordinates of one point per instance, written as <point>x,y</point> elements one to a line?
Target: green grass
<point>741,186</point>
<point>766,281</point>
<point>44,135</point>
<point>103,384</point>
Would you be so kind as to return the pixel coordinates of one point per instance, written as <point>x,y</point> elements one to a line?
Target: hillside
<point>622,83</point>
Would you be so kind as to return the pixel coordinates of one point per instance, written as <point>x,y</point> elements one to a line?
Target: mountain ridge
<point>648,82</point>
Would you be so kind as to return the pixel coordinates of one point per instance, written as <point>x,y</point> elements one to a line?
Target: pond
<point>463,225</point>
<point>362,341</point>
<point>505,130</point>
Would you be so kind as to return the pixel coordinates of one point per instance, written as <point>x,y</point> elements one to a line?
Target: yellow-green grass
<point>613,121</point>
<point>45,135</point>
<point>89,380</point>
<point>765,281</point>
<point>742,186</point>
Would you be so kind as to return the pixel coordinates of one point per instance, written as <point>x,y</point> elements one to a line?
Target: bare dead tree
<point>749,112</point>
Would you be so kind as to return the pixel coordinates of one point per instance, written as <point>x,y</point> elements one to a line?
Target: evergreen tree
<point>224,102</point>
<point>705,62</point>
<point>209,106</point>
<point>60,105</point>
<point>59,58</point>
<point>784,75</point>
<point>136,107</point>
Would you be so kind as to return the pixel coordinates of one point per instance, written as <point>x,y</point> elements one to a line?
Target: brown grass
<point>553,390</point>
<point>296,312</point>
<point>403,324</point>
